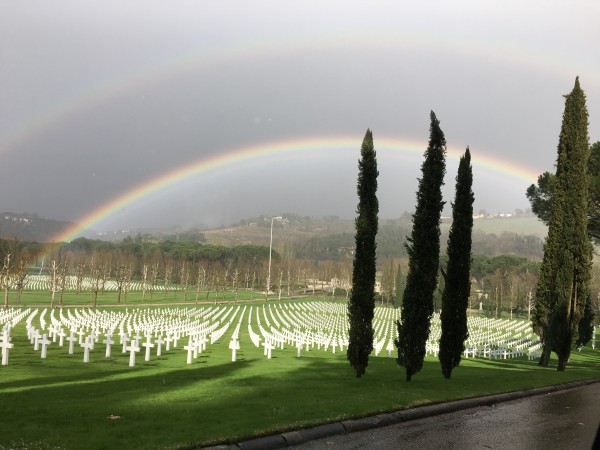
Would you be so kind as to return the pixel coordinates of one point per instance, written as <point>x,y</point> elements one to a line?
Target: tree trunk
<point>545,358</point>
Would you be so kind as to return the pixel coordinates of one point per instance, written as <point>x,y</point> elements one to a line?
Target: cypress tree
<point>361,307</point>
<point>455,298</point>
<point>400,284</point>
<point>423,249</point>
<point>563,286</point>
<point>586,324</point>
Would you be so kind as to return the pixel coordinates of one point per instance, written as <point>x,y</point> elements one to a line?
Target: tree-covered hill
<point>30,227</point>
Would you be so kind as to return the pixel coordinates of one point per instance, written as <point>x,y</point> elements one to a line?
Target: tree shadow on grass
<point>217,401</point>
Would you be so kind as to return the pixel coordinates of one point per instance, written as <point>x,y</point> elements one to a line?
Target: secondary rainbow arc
<point>87,97</point>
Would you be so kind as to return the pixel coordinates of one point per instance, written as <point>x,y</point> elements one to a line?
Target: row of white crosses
<point>145,329</point>
<point>9,317</point>
<point>385,329</point>
<point>41,283</point>
<point>5,343</point>
<point>197,337</point>
<point>324,323</point>
<point>306,326</point>
<point>234,343</point>
<point>501,338</point>
<point>300,325</point>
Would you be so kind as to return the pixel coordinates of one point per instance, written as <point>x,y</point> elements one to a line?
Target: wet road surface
<point>560,420</point>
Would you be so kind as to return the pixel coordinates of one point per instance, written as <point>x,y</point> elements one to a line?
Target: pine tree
<point>361,307</point>
<point>563,286</point>
<point>455,298</point>
<point>423,249</point>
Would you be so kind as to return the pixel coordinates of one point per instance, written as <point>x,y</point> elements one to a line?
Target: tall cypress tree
<point>361,307</point>
<point>586,324</point>
<point>455,298</point>
<point>423,249</point>
<point>563,286</point>
<point>400,284</point>
<point>545,296</point>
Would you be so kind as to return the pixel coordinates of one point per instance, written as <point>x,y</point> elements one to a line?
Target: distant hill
<point>291,228</point>
<point>310,236</point>
<point>520,235</point>
<point>30,227</point>
<point>526,226</point>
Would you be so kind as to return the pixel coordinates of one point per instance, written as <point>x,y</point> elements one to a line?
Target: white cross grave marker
<point>87,346</point>
<point>61,337</point>
<point>159,343</point>
<point>81,332</point>
<point>44,343</point>
<point>108,341</point>
<point>6,346</point>
<point>190,350</point>
<point>133,348</point>
<point>124,340</point>
<point>234,345</point>
<point>390,348</point>
<point>71,340</point>
<point>268,348</point>
<point>168,341</point>
<point>148,344</point>
<point>36,336</point>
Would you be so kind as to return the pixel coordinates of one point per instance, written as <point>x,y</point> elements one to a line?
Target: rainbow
<point>292,147</point>
<point>85,98</point>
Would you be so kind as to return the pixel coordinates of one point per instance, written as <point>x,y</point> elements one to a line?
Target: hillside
<point>291,229</point>
<point>30,227</point>
<point>311,237</point>
<point>521,236</point>
<point>257,231</point>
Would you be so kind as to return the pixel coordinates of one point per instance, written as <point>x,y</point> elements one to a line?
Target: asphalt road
<point>559,420</point>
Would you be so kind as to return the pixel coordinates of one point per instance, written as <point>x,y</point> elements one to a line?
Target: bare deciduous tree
<point>63,277</point>
<point>7,278</point>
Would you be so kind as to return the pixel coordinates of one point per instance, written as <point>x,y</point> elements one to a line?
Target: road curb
<point>364,423</point>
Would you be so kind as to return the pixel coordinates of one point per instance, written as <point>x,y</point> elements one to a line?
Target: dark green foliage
<point>586,324</point>
<point>361,307</point>
<point>335,247</point>
<point>455,298</point>
<point>400,285</point>
<point>540,194</point>
<point>423,251</point>
<point>563,286</point>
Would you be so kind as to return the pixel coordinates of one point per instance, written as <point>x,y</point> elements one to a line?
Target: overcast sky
<point>98,98</point>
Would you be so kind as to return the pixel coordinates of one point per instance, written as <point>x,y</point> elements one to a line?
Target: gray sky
<point>98,98</point>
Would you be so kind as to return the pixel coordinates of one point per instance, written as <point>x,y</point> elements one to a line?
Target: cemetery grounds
<point>290,369</point>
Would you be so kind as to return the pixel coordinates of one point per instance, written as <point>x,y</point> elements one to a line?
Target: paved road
<point>561,420</point>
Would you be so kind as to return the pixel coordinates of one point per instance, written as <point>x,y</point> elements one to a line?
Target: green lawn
<point>134,298</point>
<point>61,402</point>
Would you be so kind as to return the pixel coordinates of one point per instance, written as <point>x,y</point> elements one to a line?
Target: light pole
<point>270,251</point>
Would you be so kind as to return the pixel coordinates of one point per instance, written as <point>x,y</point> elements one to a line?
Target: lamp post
<point>270,251</point>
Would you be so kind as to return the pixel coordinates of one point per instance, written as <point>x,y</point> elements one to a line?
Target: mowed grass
<point>61,402</point>
<point>134,298</point>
